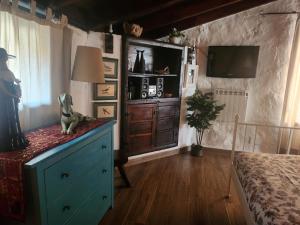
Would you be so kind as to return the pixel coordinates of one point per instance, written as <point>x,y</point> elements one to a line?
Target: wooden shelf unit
<point>153,123</point>
<point>131,74</point>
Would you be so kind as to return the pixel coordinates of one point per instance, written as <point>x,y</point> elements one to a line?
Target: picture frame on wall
<point>190,75</point>
<point>106,91</point>
<point>105,110</point>
<point>110,68</point>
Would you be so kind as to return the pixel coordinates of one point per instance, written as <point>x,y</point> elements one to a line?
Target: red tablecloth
<point>12,199</point>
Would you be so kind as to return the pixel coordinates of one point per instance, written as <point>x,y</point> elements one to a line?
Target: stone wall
<point>274,34</point>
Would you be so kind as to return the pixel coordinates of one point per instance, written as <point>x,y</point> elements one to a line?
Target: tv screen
<point>232,61</point>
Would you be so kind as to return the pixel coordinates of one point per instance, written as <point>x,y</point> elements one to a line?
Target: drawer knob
<point>66,208</point>
<point>104,197</point>
<point>104,171</point>
<point>104,147</point>
<point>64,175</point>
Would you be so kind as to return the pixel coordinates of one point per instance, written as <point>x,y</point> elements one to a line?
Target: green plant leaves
<point>202,111</point>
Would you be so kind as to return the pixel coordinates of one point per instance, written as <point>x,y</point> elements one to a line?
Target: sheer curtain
<point>38,64</point>
<point>292,109</point>
<point>291,113</point>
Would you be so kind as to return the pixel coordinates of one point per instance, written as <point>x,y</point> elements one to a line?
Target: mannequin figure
<point>11,136</point>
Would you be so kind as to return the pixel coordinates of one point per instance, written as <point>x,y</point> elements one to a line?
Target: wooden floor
<point>178,190</point>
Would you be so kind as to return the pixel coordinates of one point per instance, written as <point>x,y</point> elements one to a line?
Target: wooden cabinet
<point>167,124</point>
<point>151,126</point>
<point>141,127</point>
<point>150,121</point>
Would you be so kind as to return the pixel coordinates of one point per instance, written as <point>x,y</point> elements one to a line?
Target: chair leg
<point>124,176</point>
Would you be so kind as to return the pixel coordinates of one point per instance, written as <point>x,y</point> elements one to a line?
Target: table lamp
<point>88,65</point>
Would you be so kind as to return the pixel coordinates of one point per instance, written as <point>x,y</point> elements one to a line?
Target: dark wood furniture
<point>151,123</point>
<point>119,161</point>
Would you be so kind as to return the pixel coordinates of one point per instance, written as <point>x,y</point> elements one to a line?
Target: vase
<point>175,40</point>
<point>136,68</point>
<point>142,63</point>
<point>196,150</point>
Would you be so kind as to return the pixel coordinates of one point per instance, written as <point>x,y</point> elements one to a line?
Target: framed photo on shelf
<point>190,75</point>
<point>105,110</point>
<point>110,68</point>
<point>106,91</point>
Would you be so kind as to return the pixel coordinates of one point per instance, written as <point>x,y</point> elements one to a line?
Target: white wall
<point>81,91</point>
<point>274,35</point>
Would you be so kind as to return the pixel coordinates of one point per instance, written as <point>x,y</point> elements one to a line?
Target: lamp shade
<point>88,65</point>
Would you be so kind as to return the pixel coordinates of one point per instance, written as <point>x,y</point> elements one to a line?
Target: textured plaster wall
<point>274,35</point>
<point>82,91</point>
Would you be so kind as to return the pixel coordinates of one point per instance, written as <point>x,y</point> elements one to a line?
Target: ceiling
<point>156,16</point>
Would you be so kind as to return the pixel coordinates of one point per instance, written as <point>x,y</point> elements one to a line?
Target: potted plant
<point>175,36</point>
<point>202,110</point>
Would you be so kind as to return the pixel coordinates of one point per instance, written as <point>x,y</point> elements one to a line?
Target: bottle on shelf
<point>131,92</point>
<point>142,63</point>
<point>136,68</point>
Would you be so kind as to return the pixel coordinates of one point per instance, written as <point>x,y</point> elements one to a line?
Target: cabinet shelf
<point>152,100</point>
<point>130,74</point>
<point>150,124</point>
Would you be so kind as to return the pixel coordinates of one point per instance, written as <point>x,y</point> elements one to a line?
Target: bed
<point>268,185</point>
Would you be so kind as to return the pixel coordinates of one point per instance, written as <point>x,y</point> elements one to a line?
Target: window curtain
<point>39,64</point>
<point>292,110</point>
<point>291,113</point>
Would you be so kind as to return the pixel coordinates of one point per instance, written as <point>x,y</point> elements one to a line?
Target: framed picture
<point>110,68</point>
<point>105,110</point>
<point>106,91</point>
<point>190,75</point>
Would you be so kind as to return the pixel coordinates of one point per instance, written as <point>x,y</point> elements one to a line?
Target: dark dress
<point>11,136</point>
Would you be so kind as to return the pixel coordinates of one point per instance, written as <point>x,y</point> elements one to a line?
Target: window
<point>38,65</point>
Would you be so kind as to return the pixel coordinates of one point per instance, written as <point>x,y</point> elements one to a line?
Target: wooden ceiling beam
<point>58,4</point>
<point>205,17</point>
<point>181,12</point>
<point>137,11</point>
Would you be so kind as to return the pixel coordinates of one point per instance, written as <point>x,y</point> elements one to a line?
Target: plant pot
<point>196,150</point>
<point>175,40</point>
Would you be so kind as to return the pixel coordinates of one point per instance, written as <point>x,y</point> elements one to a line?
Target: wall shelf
<point>130,74</point>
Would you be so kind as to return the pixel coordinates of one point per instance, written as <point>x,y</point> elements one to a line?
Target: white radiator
<point>235,103</point>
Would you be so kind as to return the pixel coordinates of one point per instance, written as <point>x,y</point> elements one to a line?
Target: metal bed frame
<point>232,173</point>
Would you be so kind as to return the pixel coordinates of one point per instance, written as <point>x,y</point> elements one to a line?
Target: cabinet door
<point>167,125</point>
<point>140,129</point>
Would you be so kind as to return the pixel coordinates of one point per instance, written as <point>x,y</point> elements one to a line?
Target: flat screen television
<point>232,61</point>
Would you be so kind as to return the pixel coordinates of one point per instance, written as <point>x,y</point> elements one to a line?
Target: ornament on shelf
<point>109,41</point>
<point>133,29</point>
<point>142,63</point>
<point>136,68</point>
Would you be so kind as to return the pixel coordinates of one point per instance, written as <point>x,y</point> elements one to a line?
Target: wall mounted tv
<point>232,61</point>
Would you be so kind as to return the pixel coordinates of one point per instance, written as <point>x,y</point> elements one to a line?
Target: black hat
<point>4,55</point>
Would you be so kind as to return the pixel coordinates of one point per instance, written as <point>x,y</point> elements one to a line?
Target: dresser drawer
<point>140,128</point>
<point>140,143</point>
<point>98,180</point>
<point>93,208</point>
<point>168,111</point>
<point>166,123</point>
<point>138,113</point>
<point>63,175</point>
<point>166,137</point>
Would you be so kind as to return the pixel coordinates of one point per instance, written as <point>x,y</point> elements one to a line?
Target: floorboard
<point>177,190</point>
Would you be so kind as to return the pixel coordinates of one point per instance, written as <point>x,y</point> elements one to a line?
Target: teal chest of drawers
<point>72,184</point>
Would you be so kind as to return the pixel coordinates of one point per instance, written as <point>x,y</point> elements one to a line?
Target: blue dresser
<point>72,184</point>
